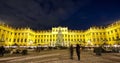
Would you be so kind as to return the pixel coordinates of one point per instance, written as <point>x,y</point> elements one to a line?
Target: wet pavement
<point>61,56</point>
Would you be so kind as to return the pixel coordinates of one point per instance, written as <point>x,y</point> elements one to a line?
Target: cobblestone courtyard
<point>61,56</point>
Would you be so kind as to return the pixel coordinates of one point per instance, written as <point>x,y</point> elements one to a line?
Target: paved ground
<point>61,56</point>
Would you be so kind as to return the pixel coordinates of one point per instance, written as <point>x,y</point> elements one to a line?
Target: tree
<point>59,39</point>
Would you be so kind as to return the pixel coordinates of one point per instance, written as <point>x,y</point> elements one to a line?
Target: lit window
<point>115,30</point>
<point>17,40</point>
<point>21,40</point>
<point>14,40</point>
<point>9,40</point>
<point>15,33</point>
<point>25,40</point>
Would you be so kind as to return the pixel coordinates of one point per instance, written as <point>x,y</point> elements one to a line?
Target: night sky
<point>45,14</point>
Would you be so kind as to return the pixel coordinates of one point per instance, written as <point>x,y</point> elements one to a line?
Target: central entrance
<point>59,41</point>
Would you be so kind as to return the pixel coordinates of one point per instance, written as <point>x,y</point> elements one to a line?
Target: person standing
<point>71,51</point>
<point>99,51</point>
<point>78,51</point>
<point>2,50</point>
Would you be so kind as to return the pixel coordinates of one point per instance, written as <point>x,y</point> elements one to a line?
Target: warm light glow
<point>28,37</point>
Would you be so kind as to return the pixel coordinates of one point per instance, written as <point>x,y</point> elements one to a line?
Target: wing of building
<point>60,36</point>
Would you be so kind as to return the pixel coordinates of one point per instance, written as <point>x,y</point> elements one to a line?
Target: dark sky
<point>44,14</point>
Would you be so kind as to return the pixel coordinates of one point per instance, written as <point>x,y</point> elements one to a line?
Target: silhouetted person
<point>98,50</point>
<point>39,48</point>
<point>78,51</point>
<point>71,51</point>
<point>2,50</point>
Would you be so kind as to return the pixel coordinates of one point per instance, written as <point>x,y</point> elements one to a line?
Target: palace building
<point>60,36</point>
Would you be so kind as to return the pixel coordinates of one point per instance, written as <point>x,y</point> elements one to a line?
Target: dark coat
<point>78,49</point>
<point>71,49</point>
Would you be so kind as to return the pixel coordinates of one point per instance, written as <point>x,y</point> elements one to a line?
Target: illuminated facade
<point>62,36</point>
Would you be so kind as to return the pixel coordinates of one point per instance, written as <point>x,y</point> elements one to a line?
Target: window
<point>14,40</point>
<point>68,35</point>
<point>44,35</point>
<point>21,40</point>
<point>109,39</point>
<point>83,35</point>
<point>111,31</point>
<point>115,30</point>
<point>96,33</point>
<point>17,40</point>
<point>41,35</point>
<point>68,39</point>
<point>113,38</point>
<point>9,40</point>
<point>47,35</point>
<point>74,35</point>
<point>65,35</point>
<point>101,38</point>
<point>18,33</point>
<point>41,40</point>
<point>8,32</point>
<point>74,39</point>
<point>104,33</point>
<point>97,39</point>
<point>53,35</point>
<point>25,40</point>
<point>15,33</point>
<point>65,39</point>
<point>94,39</point>
<point>35,40</point>
<point>44,40</point>
<point>50,39</point>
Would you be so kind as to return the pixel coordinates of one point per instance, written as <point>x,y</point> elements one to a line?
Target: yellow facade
<point>10,36</point>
